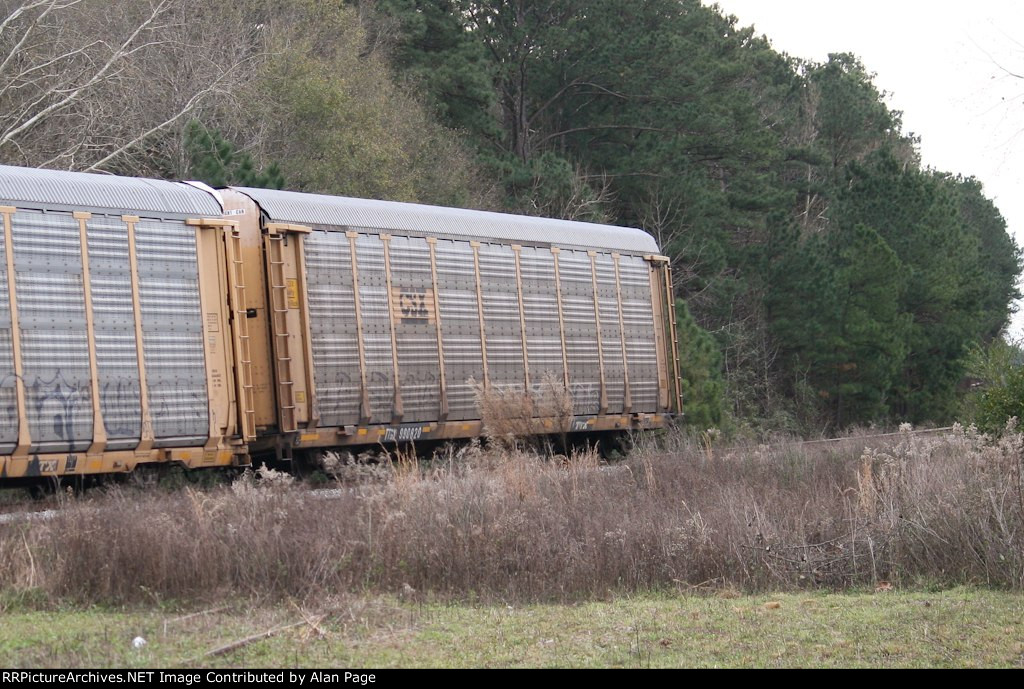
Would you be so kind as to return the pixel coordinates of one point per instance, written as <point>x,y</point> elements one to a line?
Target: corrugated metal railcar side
<point>380,317</point>
<point>114,346</point>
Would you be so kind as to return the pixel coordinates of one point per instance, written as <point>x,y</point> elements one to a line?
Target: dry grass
<point>513,416</point>
<point>512,525</point>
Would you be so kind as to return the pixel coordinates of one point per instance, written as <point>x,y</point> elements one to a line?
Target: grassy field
<point>504,556</point>
<point>962,627</point>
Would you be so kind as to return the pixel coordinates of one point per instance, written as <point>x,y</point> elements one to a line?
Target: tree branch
<point>96,78</point>
<point>188,107</point>
<point>598,127</point>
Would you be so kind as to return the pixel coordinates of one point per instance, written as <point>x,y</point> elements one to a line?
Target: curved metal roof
<point>340,211</point>
<point>24,187</point>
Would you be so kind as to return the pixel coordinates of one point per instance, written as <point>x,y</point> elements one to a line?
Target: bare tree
<point>581,197</point>
<point>662,213</point>
<point>95,85</point>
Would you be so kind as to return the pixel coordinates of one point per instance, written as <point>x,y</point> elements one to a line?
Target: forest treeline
<point>826,278</point>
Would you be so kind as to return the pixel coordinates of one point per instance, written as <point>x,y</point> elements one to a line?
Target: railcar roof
<point>61,190</point>
<point>340,211</point>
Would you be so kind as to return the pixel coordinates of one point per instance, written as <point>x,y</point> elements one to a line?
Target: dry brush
<point>505,524</point>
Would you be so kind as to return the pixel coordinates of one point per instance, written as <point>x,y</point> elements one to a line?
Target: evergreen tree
<point>867,335</point>
<point>999,257</point>
<point>215,160</point>
<point>700,361</point>
<point>802,231</point>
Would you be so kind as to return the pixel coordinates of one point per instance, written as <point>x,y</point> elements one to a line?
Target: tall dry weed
<point>512,414</point>
<point>509,525</point>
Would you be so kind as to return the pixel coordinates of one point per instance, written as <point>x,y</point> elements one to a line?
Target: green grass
<point>956,628</point>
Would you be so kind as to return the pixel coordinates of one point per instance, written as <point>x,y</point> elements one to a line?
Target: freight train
<point>146,322</point>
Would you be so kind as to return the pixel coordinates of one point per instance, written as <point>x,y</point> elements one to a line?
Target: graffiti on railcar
<point>64,400</point>
<point>586,396</point>
<point>122,399</point>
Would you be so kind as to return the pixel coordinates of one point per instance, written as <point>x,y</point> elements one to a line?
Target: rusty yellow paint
<point>283,322</point>
<point>246,366</point>
<point>658,304</point>
<point>208,222</point>
<point>112,461</point>
<point>220,360</point>
<point>282,227</point>
<point>674,340</point>
<point>397,408</point>
<point>442,378</point>
<point>146,441</point>
<point>442,431</point>
<point>480,313</point>
<point>627,397</point>
<point>245,236</point>
<point>99,429</point>
<point>312,414</point>
<point>516,252</point>
<point>364,398</point>
<point>603,403</point>
<point>24,434</point>
<point>555,251</point>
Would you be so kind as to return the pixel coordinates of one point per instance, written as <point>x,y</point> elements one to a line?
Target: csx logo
<point>413,305</point>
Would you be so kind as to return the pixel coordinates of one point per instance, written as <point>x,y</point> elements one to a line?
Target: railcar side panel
<point>8,387</point>
<point>114,328</point>
<point>114,331</point>
<point>415,320</point>
<point>396,325</point>
<point>172,327</point>
<point>604,300</point>
<point>54,341</point>
<point>333,328</point>
<point>611,332</point>
<point>581,333</point>
<point>638,321</point>
<point>460,327</point>
<point>374,306</point>
<point>540,306</point>
<point>502,328</point>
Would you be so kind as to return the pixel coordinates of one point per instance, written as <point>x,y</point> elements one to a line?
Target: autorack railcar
<point>145,321</point>
<point>114,347</point>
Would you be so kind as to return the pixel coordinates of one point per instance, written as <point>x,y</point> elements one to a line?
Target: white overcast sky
<point>944,64</point>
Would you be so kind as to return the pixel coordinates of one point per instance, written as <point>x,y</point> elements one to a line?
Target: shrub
<point>1002,401</point>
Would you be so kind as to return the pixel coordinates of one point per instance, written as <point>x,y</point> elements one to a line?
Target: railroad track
<point>895,434</point>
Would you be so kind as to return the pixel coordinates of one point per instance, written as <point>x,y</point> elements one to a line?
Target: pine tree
<point>215,161</point>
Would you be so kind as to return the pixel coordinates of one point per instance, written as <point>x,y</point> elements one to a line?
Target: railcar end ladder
<point>240,330</point>
<point>282,339</point>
